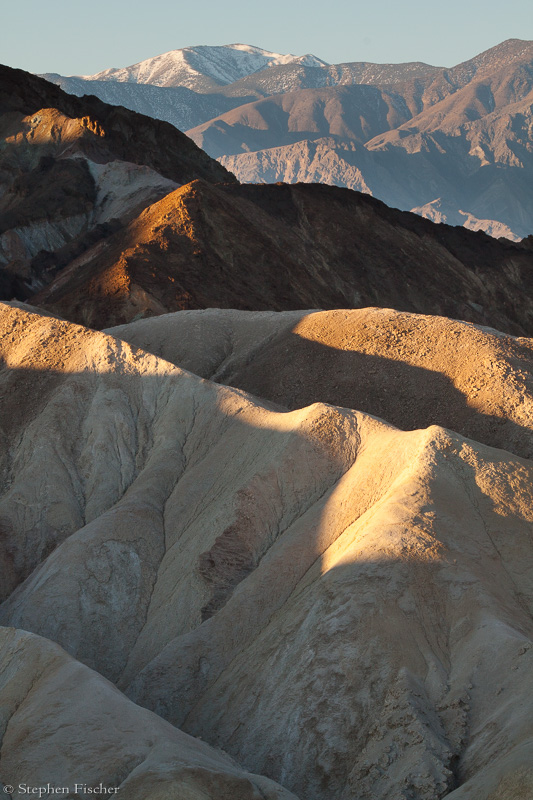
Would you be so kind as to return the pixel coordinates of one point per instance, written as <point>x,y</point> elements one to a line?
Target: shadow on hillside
<point>294,372</point>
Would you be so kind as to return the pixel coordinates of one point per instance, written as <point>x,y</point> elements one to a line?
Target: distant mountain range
<point>108,216</point>
<point>454,145</point>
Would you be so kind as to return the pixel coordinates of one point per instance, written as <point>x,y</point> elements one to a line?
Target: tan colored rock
<point>344,607</point>
<point>409,369</point>
<point>64,727</point>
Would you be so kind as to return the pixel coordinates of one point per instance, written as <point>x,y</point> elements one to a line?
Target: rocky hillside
<point>343,607</point>
<point>73,170</point>
<point>409,369</point>
<point>85,735</point>
<point>289,247</point>
<point>249,550</point>
<point>107,216</point>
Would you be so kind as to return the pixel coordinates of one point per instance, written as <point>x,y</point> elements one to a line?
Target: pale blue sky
<point>73,37</point>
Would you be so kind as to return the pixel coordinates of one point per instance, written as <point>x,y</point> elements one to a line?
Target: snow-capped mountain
<point>203,67</point>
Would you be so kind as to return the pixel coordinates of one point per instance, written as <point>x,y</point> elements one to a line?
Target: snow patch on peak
<point>274,59</point>
<point>250,48</point>
<point>309,60</point>
<point>202,67</point>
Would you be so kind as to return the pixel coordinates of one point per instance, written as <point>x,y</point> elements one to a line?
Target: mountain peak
<point>203,67</point>
<point>497,57</point>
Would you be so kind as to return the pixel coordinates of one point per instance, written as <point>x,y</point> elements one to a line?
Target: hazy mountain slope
<point>494,198</point>
<point>465,143</point>
<point>411,370</point>
<point>356,113</point>
<point>411,77</point>
<point>343,606</point>
<point>439,211</point>
<point>64,725</point>
<point>73,170</point>
<point>459,137</point>
<point>325,160</point>
<point>421,85</point>
<point>502,85</point>
<point>287,247</point>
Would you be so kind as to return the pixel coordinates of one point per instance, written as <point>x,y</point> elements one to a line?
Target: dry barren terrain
<point>343,607</point>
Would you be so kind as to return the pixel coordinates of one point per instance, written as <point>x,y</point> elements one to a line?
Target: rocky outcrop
<point>92,127</point>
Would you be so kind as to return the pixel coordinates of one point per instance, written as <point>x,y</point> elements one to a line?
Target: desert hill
<point>253,550</point>
<point>289,247</point>
<point>23,95</point>
<point>73,170</point>
<point>341,606</point>
<point>130,747</point>
<point>409,369</point>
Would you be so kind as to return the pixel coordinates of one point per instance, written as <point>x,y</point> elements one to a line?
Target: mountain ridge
<point>290,246</point>
<point>222,65</point>
<point>75,169</point>
<point>474,114</point>
<point>93,236</point>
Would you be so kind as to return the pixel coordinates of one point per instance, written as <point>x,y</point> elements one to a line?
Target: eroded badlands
<point>341,606</point>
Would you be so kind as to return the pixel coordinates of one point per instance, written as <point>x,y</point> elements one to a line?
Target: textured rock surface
<point>74,170</point>
<point>344,607</point>
<point>62,725</point>
<point>112,132</point>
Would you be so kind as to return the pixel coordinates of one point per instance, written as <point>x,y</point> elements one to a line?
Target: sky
<point>71,37</point>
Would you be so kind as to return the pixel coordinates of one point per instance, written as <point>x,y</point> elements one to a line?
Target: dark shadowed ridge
<point>128,136</point>
<point>286,247</point>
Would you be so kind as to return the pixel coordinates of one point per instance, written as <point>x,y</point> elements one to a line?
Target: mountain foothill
<point>266,476</point>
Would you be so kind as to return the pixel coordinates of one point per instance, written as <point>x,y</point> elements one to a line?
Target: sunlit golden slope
<point>412,370</point>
